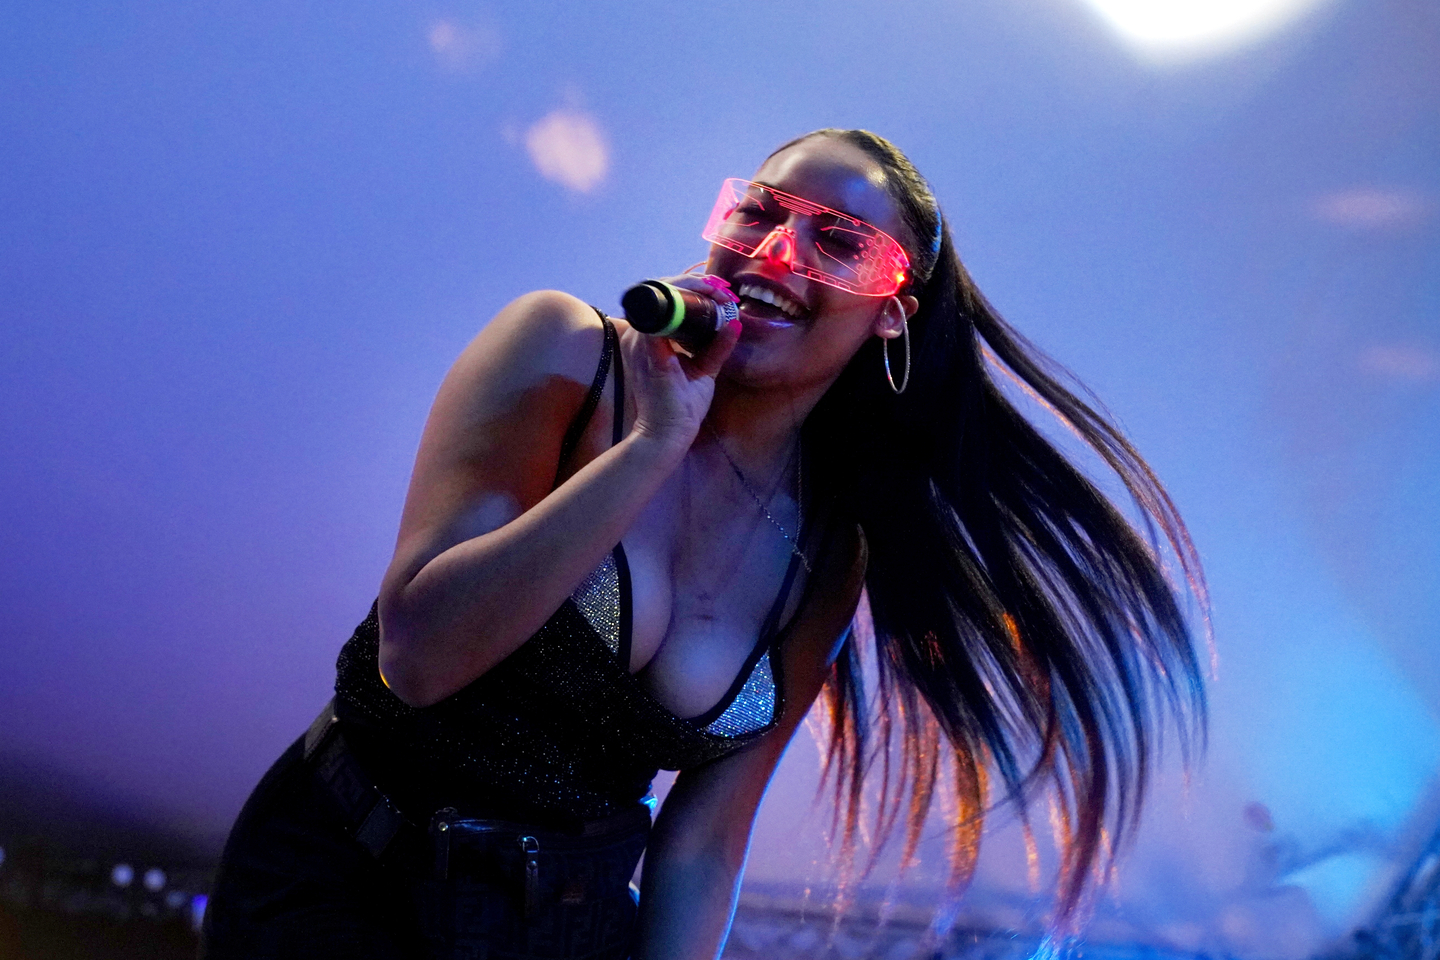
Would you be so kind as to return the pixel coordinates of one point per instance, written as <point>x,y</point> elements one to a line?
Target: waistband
<point>369,816</point>
<point>379,825</point>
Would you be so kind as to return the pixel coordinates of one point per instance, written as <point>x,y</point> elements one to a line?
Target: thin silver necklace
<point>799,509</point>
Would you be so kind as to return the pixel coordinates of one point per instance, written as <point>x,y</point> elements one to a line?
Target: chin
<point>755,363</point>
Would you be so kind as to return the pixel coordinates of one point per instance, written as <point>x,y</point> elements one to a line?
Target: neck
<point>759,427</point>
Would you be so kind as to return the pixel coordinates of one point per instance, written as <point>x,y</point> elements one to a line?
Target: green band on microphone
<point>677,309</point>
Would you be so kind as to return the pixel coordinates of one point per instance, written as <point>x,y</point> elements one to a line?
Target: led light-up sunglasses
<point>837,250</point>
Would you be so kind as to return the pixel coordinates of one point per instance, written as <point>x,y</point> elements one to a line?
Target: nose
<point>778,247</point>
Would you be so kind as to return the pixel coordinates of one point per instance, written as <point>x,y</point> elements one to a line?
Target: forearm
<point>697,853</point>
<point>475,603</point>
<point>686,904</point>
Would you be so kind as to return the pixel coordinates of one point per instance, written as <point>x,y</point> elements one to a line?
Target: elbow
<point>427,653</point>
<point>399,674</point>
<point>402,665</point>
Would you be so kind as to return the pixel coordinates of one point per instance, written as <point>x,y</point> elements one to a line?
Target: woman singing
<point>617,557</point>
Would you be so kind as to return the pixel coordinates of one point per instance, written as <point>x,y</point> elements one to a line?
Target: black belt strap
<point>371,817</point>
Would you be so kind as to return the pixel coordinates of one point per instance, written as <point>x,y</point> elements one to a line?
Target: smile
<point>776,300</point>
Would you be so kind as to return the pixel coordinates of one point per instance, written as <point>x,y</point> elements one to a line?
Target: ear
<point>890,321</point>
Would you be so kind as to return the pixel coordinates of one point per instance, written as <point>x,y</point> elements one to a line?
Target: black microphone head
<point>650,307</point>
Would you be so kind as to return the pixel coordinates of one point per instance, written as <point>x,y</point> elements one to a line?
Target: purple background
<point>240,244</point>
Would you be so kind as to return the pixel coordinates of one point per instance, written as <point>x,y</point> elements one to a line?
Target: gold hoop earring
<point>885,352</point>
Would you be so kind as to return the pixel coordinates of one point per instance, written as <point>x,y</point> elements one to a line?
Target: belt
<point>379,826</point>
<point>540,872</point>
<point>541,866</point>
<point>370,816</point>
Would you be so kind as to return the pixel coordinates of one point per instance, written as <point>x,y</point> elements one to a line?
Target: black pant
<point>293,882</point>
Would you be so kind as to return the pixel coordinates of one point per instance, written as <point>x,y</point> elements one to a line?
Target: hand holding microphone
<point>680,334</point>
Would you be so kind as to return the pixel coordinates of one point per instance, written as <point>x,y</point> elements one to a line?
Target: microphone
<point>662,309</point>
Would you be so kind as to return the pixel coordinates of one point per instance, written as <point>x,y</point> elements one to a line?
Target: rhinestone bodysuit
<point>747,708</point>
<point>559,730</point>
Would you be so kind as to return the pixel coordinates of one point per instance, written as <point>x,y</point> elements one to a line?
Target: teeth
<point>764,295</point>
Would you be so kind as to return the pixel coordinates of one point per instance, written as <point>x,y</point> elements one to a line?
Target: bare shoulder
<point>540,334</point>
<point>523,376</point>
<point>495,429</point>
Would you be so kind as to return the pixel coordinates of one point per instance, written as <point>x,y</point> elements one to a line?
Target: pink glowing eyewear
<point>837,250</point>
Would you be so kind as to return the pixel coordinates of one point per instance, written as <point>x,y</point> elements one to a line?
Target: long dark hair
<point>1019,618</point>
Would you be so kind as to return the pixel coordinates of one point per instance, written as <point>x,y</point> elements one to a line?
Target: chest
<point>708,585</point>
<point>704,573</point>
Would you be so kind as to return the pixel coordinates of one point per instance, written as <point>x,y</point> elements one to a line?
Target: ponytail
<point>1020,620</point>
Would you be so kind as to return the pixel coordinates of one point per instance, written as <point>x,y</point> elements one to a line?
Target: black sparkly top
<point>559,731</point>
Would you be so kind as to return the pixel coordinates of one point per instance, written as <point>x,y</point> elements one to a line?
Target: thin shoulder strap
<point>617,433</point>
<point>576,430</point>
<point>771,626</point>
<point>769,635</point>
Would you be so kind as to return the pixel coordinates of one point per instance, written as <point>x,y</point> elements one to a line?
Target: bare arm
<point>486,551</point>
<point>697,852</point>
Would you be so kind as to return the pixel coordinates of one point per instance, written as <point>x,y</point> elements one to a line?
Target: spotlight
<point>154,879</point>
<point>123,875</point>
<point>1182,29</point>
<point>175,899</point>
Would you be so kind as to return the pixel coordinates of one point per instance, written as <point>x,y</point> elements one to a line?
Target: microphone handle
<point>661,309</point>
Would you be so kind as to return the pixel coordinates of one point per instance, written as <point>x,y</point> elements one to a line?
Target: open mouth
<point>766,304</point>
